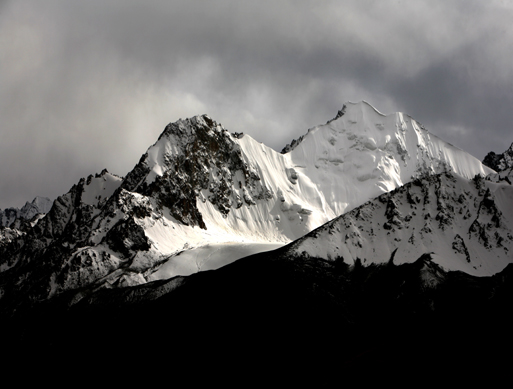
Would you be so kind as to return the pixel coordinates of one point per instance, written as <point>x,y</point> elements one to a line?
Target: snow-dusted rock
<point>460,224</point>
<point>40,205</point>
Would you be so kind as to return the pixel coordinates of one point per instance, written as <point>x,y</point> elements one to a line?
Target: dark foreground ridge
<point>268,312</point>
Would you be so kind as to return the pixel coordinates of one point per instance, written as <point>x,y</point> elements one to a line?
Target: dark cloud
<point>88,85</point>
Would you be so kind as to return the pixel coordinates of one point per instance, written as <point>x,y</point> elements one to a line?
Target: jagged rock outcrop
<point>499,162</point>
<point>502,164</point>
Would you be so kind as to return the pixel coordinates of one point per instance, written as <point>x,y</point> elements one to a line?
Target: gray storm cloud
<point>90,85</point>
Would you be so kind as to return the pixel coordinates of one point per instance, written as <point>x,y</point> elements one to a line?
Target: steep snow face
<point>461,224</point>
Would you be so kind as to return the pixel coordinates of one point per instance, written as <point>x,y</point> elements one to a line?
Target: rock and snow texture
<point>40,205</point>
<point>500,162</point>
<point>199,185</point>
<point>7,235</point>
<point>460,224</point>
<point>98,189</point>
<point>14,222</point>
<point>363,153</point>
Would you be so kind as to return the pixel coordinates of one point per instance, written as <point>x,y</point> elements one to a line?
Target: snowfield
<point>208,257</point>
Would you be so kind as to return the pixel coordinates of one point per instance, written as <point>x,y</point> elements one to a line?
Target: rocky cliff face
<point>193,158</point>
<point>45,253</point>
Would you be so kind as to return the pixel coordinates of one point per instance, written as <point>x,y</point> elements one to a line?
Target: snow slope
<point>208,257</point>
<point>461,224</point>
<point>99,188</point>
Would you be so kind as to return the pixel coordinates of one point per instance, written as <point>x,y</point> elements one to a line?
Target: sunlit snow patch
<point>208,257</point>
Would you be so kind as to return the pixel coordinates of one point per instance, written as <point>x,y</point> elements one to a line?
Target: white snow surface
<point>209,257</point>
<point>40,205</point>
<point>98,189</point>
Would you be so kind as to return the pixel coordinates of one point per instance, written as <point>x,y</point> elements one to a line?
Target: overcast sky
<point>87,85</point>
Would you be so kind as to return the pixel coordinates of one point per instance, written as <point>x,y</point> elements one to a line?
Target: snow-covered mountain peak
<point>99,188</point>
<point>199,185</point>
<point>363,153</point>
<point>364,107</point>
<point>180,139</point>
<point>209,178</point>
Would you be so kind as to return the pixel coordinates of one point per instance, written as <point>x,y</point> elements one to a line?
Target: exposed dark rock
<point>127,237</point>
<point>340,113</point>
<point>459,246</point>
<point>207,161</point>
<point>499,162</point>
<point>295,142</point>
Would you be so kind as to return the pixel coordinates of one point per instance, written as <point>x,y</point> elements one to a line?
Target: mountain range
<point>40,205</point>
<point>374,222</point>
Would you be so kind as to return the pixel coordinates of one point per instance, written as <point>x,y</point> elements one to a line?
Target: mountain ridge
<point>198,184</point>
<point>395,252</point>
<point>40,205</point>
